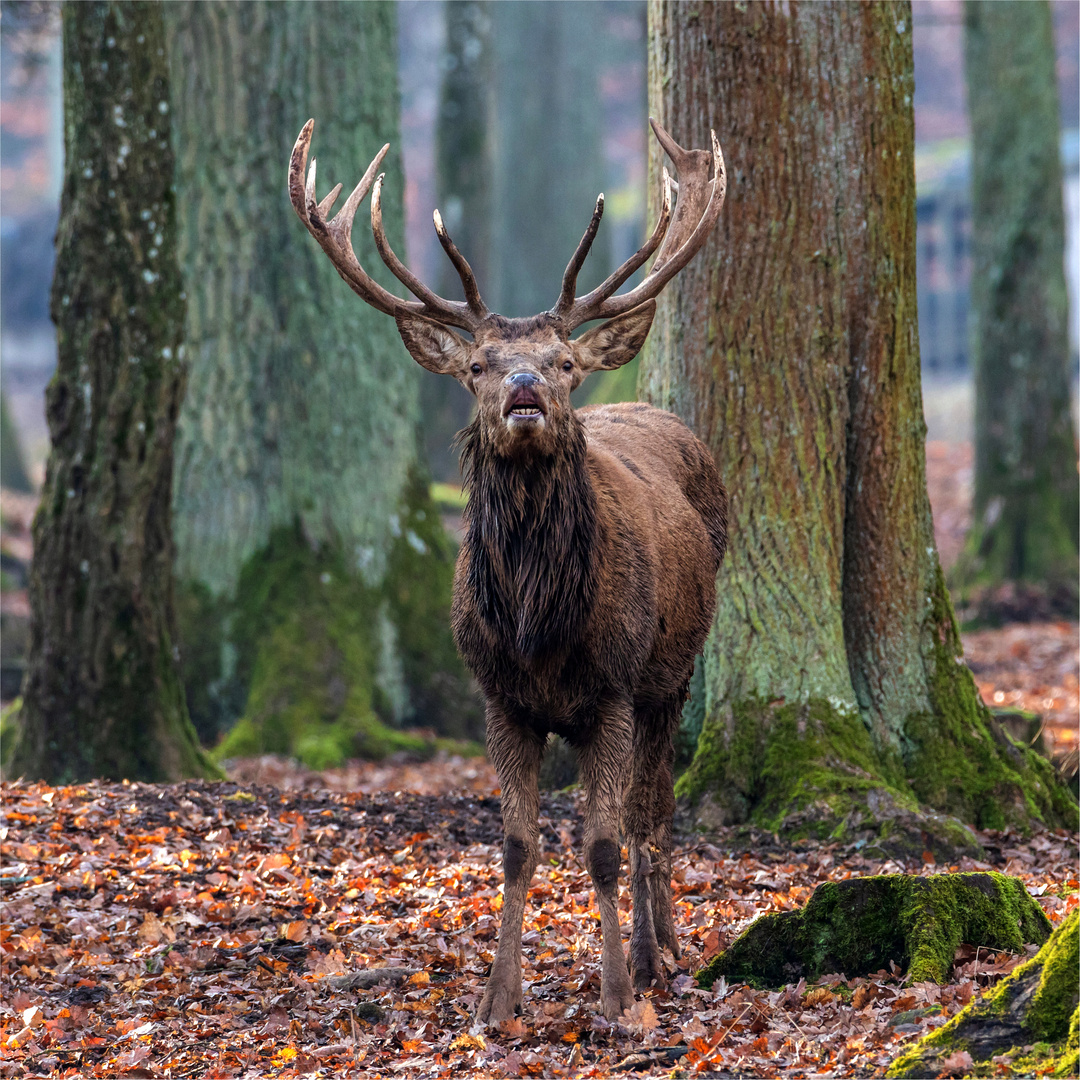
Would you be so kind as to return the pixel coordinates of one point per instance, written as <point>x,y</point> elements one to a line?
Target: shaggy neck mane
<point>531,536</point>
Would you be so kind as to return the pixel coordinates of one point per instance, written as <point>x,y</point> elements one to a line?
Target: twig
<point>749,1006</point>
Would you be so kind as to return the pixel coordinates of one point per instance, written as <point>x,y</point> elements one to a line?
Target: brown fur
<point>586,582</point>
<point>584,590</point>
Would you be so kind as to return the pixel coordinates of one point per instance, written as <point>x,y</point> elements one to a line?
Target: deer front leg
<point>515,752</point>
<point>603,763</point>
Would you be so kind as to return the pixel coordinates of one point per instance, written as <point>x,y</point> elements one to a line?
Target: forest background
<point>312,557</point>
<point>597,126</point>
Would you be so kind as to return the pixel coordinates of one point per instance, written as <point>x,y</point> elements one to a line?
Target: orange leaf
<point>468,1042</point>
<point>421,978</point>
<point>296,931</point>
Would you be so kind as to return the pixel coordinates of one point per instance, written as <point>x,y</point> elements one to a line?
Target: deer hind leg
<point>603,761</point>
<point>516,753</point>
<point>650,805</point>
<point>660,883</point>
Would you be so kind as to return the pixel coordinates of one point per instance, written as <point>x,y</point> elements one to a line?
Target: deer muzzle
<point>524,403</point>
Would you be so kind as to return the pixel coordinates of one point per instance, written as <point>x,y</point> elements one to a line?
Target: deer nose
<point>523,380</point>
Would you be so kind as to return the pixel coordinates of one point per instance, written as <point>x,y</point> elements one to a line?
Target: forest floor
<point>335,924</point>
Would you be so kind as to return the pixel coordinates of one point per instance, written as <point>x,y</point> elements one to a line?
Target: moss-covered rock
<point>1026,1026</point>
<point>859,925</point>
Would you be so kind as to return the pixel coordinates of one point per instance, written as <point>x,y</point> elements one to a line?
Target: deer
<point>585,584</point>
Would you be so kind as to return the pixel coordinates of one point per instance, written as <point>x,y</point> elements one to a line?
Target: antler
<point>335,238</point>
<point>696,212</point>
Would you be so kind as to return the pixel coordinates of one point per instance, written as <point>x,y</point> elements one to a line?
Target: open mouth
<point>524,404</point>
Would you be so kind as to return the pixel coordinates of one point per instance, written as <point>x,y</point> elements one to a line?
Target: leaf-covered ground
<point>243,930</point>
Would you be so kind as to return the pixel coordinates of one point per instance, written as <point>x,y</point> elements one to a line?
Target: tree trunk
<point>834,697</point>
<point>464,163</point>
<point>1021,555</point>
<point>300,495</point>
<point>103,696</point>
<point>549,164</point>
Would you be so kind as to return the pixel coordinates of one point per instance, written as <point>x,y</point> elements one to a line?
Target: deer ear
<point>615,342</point>
<point>433,345</point>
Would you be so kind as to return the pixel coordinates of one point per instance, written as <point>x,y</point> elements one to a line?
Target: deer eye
<point>476,369</point>
<point>568,366</point>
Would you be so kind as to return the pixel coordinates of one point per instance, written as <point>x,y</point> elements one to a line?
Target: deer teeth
<point>525,410</point>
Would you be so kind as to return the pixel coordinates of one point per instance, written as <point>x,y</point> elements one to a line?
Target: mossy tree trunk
<point>298,445</point>
<point>102,696</point>
<point>464,164</point>
<point>832,692</point>
<point>1022,550</point>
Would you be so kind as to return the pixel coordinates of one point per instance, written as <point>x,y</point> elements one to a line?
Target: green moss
<point>304,629</point>
<point>1029,1020</point>
<point>448,498</point>
<point>1053,1010</point>
<point>213,698</point>
<point>859,925</point>
<point>418,589</point>
<point>9,729</point>
<point>811,771</point>
<point>961,761</point>
<point>323,666</point>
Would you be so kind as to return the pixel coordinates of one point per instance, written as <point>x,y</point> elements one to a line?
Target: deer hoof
<point>647,972</point>
<point>613,1003</point>
<point>499,1003</point>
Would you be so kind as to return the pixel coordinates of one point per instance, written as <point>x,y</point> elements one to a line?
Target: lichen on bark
<point>860,925</point>
<point>1027,1025</point>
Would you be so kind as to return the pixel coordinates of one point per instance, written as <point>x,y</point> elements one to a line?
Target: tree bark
<point>1021,554</point>
<point>300,496</point>
<point>103,696</point>
<point>835,699</point>
<point>464,164</point>
<point>549,164</point>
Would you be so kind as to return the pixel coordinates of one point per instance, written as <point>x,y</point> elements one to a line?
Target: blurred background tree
<point>831,698</point>
<point>315,574</point>
<point>103,695</point>
<point>1021,555</point>
<point>464,168</point>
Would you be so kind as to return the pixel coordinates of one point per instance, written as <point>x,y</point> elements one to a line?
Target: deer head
<point>521,370</point>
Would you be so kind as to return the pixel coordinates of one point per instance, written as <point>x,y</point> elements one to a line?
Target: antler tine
<point>569,282</point>
<point>335,238</point>
<point>468,279</point>
<point>660,276</point>
<point>637,260</point>
<point>435,306</point>
<point>683,233</point>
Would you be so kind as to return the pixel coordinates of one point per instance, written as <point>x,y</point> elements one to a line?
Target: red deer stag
<point>586,582</point>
